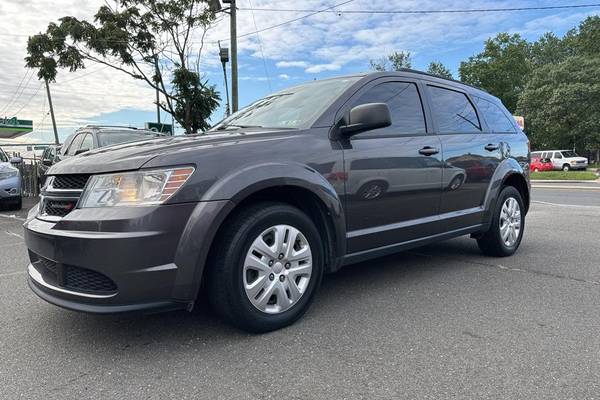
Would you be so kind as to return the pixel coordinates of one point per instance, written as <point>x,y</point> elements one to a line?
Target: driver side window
<point>405,108</point>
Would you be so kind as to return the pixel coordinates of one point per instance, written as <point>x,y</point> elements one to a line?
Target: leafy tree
<point>439,69</point>
<point>549,49</point>
<point>561,104</point>
<point>394,62</point>
<point>585,39</point>
<point>149,40</point>
<point>501,68</point>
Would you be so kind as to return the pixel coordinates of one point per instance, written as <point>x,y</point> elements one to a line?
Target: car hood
<point>132,156</point>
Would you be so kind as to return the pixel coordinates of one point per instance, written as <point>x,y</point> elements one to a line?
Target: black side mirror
<point>79,151</point>
<point>47,162</point>
<point>367,117</point>
<point>16,160</point>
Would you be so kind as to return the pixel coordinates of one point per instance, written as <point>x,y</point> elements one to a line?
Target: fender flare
<point>221,199</point>
<point>507,168</point>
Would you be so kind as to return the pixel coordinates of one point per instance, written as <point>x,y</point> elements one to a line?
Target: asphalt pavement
<point>437,322</point>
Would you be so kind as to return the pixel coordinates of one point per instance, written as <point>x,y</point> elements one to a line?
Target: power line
<point>13,98</point>
<point>262,53</point>
<point>448,11</point>
<point>29,100</point>
<point>18,96</point>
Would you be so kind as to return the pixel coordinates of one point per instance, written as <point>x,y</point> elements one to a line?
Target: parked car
<point>562,159</point>
<point>95,136</point>
<point>10,182</point>
<point>540,164</point>
<point>249,213</point>
<point>49,157</point>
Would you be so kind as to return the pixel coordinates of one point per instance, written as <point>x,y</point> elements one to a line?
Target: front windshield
<point>3,157</point>
<point>119,137</point>
<point>293,108</point>
<point>569,154</point>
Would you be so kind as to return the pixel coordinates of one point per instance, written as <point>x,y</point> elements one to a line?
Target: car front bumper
<point>114,260</point>
<point>10,189</point>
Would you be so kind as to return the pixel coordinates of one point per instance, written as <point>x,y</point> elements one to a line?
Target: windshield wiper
<point>222,128</point>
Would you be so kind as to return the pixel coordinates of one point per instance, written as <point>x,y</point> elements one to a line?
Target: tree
<point>501,68</point>
<point>585,39</point>
<point>394,62</point>
<point>548,49</point>
<point>149,40</point>
<point>561,104</point>
<point>439,69</point>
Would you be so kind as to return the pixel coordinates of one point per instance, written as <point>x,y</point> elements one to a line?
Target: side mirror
<point>16,160</point>
<point>79,151</point>
<point>47,162</point>
<point>367,117</point>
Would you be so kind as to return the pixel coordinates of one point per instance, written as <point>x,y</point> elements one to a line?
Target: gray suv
<point>256,210</point>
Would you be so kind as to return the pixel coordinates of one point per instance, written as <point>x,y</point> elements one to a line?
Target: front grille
<point>87,280</point>
<point>73,278</point>
<point>58,208</point>
<point>70,182</point>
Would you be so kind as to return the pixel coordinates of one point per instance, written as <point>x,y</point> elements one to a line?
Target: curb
<point>596,181</point>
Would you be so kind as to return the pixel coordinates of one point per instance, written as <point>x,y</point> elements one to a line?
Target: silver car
<point>10,182</point>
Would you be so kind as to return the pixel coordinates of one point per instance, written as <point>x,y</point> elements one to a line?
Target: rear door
<point>392,194</point>
<point>471,156</point>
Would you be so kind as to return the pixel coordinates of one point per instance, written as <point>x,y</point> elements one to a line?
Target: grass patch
<point>594,165</point>
<point>564,176</point>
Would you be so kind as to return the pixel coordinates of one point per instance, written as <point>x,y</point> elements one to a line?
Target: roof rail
<point>108,126</point>
<point>440,77</point>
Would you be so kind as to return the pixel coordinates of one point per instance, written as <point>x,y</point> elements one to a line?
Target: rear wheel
<point>508,223</point>
<point>267,267</point>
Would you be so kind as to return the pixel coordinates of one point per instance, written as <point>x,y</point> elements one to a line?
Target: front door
<point>393,174</point>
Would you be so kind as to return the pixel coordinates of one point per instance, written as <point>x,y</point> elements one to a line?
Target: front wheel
<point>566,167</point>
<point>267,267</point>
<point>508,223</point>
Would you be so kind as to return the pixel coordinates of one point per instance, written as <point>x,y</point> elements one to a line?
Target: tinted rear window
<point>453,111</point>
<point>494,116</point>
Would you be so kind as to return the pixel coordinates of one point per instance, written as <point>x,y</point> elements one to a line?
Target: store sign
<point>14,127</point>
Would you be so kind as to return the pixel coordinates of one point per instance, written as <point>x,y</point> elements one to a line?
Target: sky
<point>317,47</point>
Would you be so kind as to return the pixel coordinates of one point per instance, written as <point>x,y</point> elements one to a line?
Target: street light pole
<point>52,112</point>
<point>234,58</point>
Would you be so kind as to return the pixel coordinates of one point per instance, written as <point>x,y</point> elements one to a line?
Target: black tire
<point>16,206</point>
<point>566,167</point>
<point>491,242</point>
<point>225,275</point>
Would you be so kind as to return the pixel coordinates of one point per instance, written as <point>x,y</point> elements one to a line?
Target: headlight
<point>140,188</point>
<point>10,173</point>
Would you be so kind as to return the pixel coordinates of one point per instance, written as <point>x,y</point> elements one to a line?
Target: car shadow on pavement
<point>353,291</point>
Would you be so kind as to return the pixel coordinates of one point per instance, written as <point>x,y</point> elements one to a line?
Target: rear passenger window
<point>494,116</point>
<point>453,111</point>
<point>405,107</point>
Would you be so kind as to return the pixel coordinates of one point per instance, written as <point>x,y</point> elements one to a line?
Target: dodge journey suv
<point>296,185</point>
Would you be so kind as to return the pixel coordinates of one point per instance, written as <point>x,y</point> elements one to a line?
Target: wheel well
<point>303,199</point>
<point>518,182</point>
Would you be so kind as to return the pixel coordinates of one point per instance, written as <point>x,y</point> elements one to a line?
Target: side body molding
<point>228,191</point>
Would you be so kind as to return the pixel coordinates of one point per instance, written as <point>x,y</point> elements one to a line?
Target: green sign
<point>12,127</point>
<point>160,128</point>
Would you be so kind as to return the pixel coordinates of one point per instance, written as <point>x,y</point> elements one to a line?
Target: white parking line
<point>565,205</point>
<point>12,217</point>
<point>13,234</point>
<point>565,187</point>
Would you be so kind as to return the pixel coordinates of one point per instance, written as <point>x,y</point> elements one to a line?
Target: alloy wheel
<point>510,222</point>
<point>277,269</point>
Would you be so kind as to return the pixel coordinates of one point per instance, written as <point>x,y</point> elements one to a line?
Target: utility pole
<point>157,106</point>
<point>224,55</point>
<point>234,57</point>
<point>52,112</point>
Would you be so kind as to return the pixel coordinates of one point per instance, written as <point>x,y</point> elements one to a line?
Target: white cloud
<point>284,76</point>
<point>315,69</point>
<point>291,64</point>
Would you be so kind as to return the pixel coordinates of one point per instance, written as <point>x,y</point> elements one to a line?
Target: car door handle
<point>492,147</point>
<point>428,151</point>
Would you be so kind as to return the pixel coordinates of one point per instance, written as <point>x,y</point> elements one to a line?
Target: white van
<point>562,159</point>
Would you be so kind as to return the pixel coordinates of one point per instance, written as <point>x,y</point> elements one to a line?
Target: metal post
<point>157,106</point>
<point>56,141</point>
<point>234,59</point>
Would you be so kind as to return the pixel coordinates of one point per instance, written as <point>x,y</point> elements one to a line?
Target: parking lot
<point>436,322</point>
